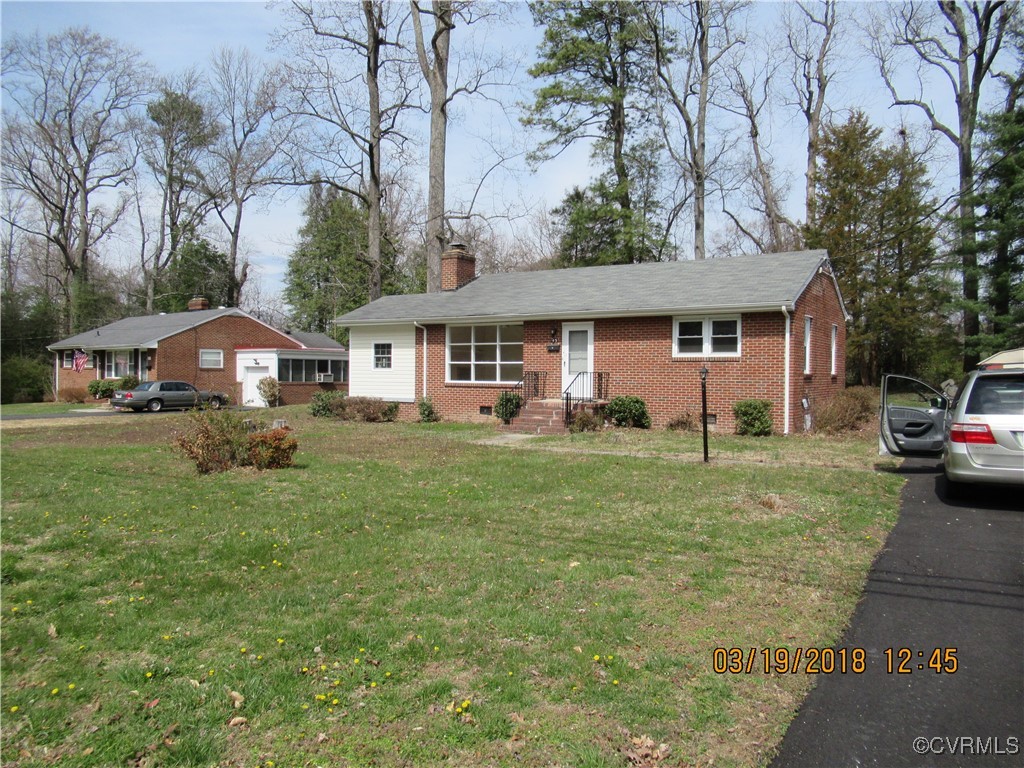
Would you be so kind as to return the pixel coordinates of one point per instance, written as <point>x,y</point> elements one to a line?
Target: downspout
<point>785,385</point>
<point>424,329</point>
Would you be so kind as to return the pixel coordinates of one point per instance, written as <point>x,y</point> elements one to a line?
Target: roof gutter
<point>785,375</point>
<point>569,315</point>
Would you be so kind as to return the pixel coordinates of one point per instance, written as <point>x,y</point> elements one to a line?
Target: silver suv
<point>978,428</point>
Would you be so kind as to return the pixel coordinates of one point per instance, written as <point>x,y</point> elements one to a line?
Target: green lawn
<point>405,596</point>
<point>22,409</point>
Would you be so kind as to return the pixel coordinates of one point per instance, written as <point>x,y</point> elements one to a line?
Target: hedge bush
<point>272,450</point>
<point>848,410</point>
<point>628,411</point>
<point>269,389</point>
<point>327,403</point>
<point>585,421</point>
<point>101,389</point>
<point>685,422</point>
<point>508,405</point>
<point>215,441</point>
<point>428,413</point>
<point>753,417</point>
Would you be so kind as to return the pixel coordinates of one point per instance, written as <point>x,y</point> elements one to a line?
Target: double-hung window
<point>703,336</point>
<point>485,353</point>
<point>211,358</point>
<point>119,363</point>
<point>382,356</point>
<point>808,323</point>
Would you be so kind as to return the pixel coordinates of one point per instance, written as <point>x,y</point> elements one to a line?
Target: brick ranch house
<point>771,326</point>
<point>222,349</point>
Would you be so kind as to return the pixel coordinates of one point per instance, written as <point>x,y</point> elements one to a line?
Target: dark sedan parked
<point>157,395</point>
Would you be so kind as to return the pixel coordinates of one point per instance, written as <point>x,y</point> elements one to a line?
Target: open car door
<point>913,418</point>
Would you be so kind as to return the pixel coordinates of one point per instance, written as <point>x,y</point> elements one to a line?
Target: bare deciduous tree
<point>352,85</point>
<point>958,43</point>
<point>690,42</point>
<point>811,37</point>
<point>249,159</point>
<point>71,99</point>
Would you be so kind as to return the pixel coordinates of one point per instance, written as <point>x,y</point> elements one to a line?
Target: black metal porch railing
<point>587,387</point>
<point>532,386</point>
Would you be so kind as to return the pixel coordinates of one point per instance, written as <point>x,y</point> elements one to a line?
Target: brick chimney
<point>458,267</point>
<point>197,303</point>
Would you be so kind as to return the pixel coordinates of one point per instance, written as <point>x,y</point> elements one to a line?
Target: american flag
<point>79,361</point>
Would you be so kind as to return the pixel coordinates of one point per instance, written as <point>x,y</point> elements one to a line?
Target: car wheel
<point>214,403</point>
<point>155,405</point>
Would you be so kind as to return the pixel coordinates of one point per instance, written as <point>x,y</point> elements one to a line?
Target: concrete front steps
<point>538,417</point>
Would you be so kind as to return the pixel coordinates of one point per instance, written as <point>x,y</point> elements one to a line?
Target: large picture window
<point>702,336</point>
<point>485,353</point>
<point>119,363</point>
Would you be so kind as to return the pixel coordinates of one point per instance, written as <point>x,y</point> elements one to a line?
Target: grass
<point>407,596</point>
<point>27,409</point>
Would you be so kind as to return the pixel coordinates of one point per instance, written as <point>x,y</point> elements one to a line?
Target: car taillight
<point>976,434</point>
<point>127,395</point>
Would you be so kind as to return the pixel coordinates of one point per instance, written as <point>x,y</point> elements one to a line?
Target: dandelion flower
<point>597,657</point>
<point>55,691</point>
<point>242,649</point>
<point>14,708</point>
<point>373,685</point>
<point>280,641</point>
<point>71,686</point>
<point>149,674</point>
<point>615,682</point>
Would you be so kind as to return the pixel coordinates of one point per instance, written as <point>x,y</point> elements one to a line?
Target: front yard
<point>406,596</point>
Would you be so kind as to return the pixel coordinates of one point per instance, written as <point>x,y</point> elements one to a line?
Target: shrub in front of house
<point>428,413</point>
<point>507,406</point>
<point>101,389</point>
<point>685,422</point>
<point>269,390</point>
<point>628,411</point>
<point>74,395</point>
<point>215,441</point>
<point>326,403</point>
<point>272,450</point>
<point>585,421</point>
<point>848,410</point>
<point>753,417</point>
<point>126,383</point>
<point>370,409</point>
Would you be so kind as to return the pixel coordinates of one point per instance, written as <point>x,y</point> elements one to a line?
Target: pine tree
<point>877,222</point>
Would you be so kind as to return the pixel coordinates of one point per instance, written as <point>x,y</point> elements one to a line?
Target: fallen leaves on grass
<point>643,752</point>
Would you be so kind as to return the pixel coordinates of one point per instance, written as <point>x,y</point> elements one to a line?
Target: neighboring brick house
<point>771,327</point>
<point>220,349</point>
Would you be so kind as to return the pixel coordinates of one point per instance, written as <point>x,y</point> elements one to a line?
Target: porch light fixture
<point>554,332</point>
<point>255,361</point>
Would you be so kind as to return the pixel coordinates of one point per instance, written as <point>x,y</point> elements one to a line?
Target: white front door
<point>251,377</point>
<point>578,358</point>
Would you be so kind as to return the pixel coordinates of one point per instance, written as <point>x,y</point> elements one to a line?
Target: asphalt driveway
<point>950,576</point>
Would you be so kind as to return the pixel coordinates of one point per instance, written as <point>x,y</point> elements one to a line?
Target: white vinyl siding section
<point>397,383</point>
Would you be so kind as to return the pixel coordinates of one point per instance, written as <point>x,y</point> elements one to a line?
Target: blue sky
<point>177,35</point>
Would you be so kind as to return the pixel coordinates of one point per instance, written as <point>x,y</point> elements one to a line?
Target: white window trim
<point>808,329</point>
<point>390,355</point>
<point>110,364</point>
<point>706,320</point>
<point>472,361</point>
<point>835,336</point>
<point>218,352</point>
<point>67,359</point>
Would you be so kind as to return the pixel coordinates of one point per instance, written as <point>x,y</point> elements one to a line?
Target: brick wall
<point>178,358</point>
<point>637,354</point>
<point>301,392</point>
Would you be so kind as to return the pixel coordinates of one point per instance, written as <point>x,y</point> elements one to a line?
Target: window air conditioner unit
<point>324,378</point>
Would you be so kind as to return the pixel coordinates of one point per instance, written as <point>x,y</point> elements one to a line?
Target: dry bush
<point>849,410</point>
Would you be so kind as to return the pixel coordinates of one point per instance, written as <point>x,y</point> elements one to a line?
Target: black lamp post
<point>704,407</point>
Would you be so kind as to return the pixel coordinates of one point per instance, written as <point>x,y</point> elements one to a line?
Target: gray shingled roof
<point>314,340</point>
<point>744,283</point>
<point>148,330</point>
